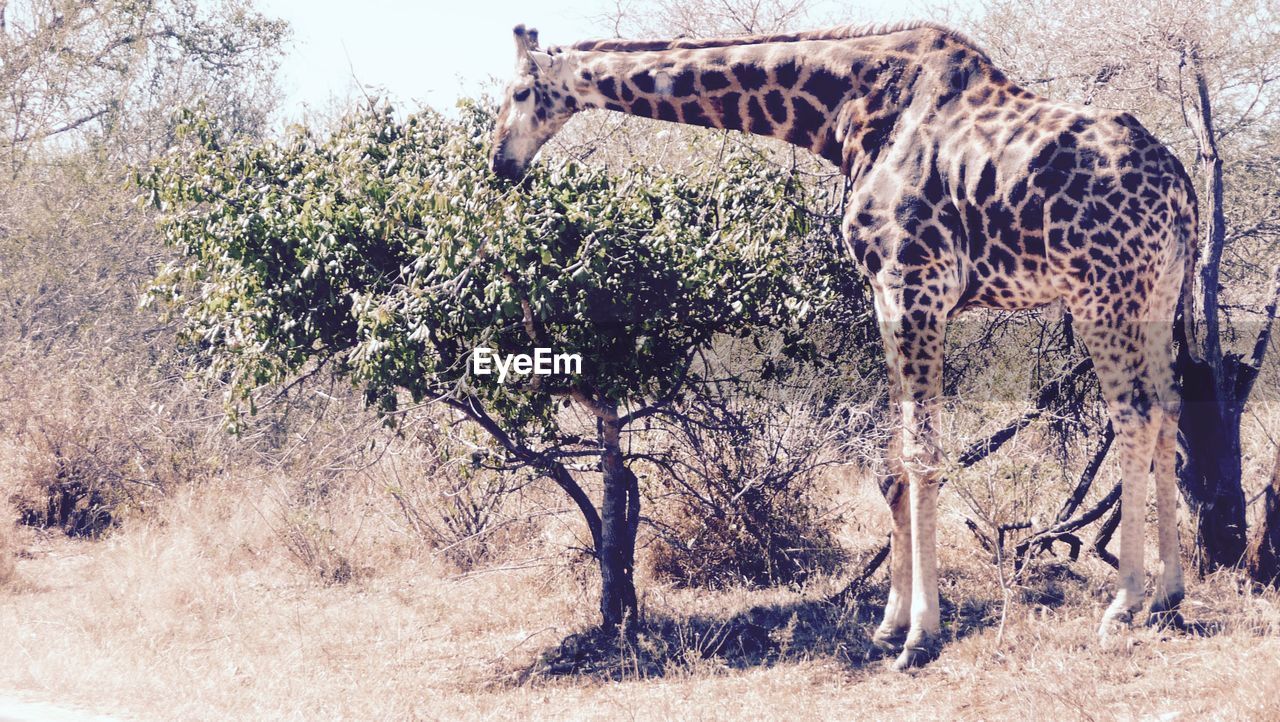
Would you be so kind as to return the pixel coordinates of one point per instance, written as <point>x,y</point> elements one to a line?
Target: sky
<point>432,52</point>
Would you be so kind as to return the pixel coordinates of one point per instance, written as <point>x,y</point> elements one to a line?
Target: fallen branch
<point>1105,532</point>
<point>1062,530</point>
<point>852,588</point>
<point>1045,539</point>
<point>1087,476</point>
<point>1049,393</point>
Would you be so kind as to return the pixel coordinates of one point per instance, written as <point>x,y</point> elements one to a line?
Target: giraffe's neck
<point>789,91</point>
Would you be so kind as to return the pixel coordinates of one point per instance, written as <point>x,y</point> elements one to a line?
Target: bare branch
<point>65,127</point>
<point>552,468</point>
<point>666,399</point>
<point>1105,532</point>
<point>1263,341</point>
<point>1087,476</point>
<point>1049,393</point>
<point>852,588</point>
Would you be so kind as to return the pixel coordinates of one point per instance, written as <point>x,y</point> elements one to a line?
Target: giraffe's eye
<point>521,95</point>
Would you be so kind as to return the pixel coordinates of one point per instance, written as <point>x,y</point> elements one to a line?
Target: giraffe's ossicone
<point>965,191</point>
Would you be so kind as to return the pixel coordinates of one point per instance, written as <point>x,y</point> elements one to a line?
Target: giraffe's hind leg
<point>1169,585</point>
<point>1135,433</point>
<point>1118,348</point>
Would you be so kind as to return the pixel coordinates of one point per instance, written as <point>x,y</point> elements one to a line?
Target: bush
<point>739,487</point>
<point>84,448</point>
<point>467,514</point>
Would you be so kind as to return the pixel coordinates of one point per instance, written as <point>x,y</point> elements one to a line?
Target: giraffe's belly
<point>1010,271</point>
<point>1010,293</point>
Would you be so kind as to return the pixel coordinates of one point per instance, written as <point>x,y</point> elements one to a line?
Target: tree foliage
<point>114,70</point>
<point>87,89</point>
<point>390,250</point>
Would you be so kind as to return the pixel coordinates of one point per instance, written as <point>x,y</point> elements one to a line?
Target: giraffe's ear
<point>526,46</point>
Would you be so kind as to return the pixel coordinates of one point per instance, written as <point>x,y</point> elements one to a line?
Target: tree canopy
<point>388,249</point>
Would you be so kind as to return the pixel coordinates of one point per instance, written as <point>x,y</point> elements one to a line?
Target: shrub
<point>462,511</point>
<point>740,502</point>
<point>82,448</point>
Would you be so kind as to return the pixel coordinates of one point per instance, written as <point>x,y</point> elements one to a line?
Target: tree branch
<point>1201,124</point>
<point>1103,538</point>
<point>1049,393</point>
<point>852,588</point>
<point>65,127</point>
<point>1087,476</point>
<point>1244,380</point>
<point>1046,538</point>
<point>665,399</point>
<point>552,468</point>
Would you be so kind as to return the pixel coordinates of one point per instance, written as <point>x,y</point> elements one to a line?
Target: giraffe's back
<point>1074,203</point>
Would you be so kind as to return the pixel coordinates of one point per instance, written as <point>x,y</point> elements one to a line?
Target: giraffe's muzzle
<point>506,168</point>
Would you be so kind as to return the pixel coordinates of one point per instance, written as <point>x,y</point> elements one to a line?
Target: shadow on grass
<point>1053,584</point>
<point>837,627</point>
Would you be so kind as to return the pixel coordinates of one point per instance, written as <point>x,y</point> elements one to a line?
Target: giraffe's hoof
<point>1170,620</point>
<point>917,652</point>
<point>1166,603</point>
<point>890,638</point>
<point>916,656</point>
<point>1117,621</point>
<point>1164,613</point>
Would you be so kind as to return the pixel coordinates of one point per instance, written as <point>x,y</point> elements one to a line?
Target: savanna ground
<point>201,612</point>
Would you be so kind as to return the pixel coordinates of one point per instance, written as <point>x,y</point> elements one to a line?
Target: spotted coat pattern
<point>966,191</point>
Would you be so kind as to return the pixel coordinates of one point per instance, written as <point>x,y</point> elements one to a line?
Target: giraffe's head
<point>536,105</point>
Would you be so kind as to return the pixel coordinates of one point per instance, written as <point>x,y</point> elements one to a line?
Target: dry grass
<point>327,589</point>
<point>84,448</point>
<point>206,616</point>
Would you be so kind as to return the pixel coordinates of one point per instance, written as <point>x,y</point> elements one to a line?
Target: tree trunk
<point>1213,395</point>
<point>1264,553</point>
<point>1210,475</point>
<point>620,516</point>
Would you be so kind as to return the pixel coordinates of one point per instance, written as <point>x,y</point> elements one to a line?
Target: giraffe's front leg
<point>897,612</point>
<point>922,458</point>
<point>914,345</point>
<point>916,282</point>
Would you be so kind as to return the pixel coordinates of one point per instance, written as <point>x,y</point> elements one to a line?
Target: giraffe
<point>965,191</point>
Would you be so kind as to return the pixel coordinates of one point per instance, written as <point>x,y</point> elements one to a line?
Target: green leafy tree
<point>389,253</point>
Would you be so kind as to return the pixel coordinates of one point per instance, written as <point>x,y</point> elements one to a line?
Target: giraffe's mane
<point>842,32</point>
